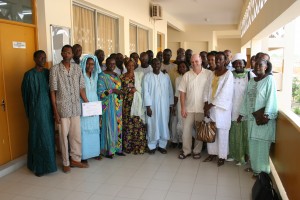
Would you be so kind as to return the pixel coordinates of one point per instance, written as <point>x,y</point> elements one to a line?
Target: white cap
<point>239,56</point>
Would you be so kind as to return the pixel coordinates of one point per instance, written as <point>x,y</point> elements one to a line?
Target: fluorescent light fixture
<point>26,12</point>
<point>3,3</point>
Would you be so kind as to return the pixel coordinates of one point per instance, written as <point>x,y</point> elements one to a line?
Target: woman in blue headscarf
<point>90,129</point>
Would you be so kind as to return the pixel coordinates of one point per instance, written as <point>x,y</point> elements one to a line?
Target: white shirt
<point>193,85</point>
<point>144,70</point>
<point>118,71</point>
<point>168,67</point>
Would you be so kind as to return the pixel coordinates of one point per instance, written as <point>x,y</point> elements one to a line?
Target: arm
<point>83,95</point>
<point>25,94</point>
<point>182,104</point>
<point>54,107</point>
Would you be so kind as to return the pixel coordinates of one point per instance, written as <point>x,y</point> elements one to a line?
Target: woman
<point>90,130</point>
<point>238,139</point>
<point>260,108</point>
<point>182,68</point>
<point>134,129</point>
<point>218,103</point>
<point>211,59</point>
<point>110,93</point>
<point>36,98</point>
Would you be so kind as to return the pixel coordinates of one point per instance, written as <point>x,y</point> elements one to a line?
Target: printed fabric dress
<point>36,98</point>
<point>111,123</point>
<point>134,129</point>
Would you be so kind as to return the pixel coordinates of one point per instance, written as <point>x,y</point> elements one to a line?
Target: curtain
<point>107,29</point>
<point>142,40</point>
<point>132,38</point>
<point>84,29</point>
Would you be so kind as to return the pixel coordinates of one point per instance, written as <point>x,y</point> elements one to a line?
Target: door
<point>17,45</point>
<point>5,155</point>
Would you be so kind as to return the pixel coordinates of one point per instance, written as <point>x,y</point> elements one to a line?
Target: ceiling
<point>203,11</point>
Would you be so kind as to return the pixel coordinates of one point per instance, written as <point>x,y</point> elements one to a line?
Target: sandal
<point>209,158</point>
<point>221,162</point>
<point>197,155</point>
<point>182,156</point>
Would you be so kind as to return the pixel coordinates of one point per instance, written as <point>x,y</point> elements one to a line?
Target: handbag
<point>258,115</point>
<point>206,130</point>
<point>263,188</point>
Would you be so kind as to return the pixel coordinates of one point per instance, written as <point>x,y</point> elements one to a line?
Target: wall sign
<point>19,45</point>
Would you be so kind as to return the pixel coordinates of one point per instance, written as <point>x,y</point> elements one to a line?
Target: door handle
<point>3,104</point>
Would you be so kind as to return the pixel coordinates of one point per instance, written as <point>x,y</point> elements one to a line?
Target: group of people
<point>146,103</point>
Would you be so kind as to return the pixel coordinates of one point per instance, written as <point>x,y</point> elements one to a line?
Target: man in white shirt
<point>191,90</point>
<point>144,67</point>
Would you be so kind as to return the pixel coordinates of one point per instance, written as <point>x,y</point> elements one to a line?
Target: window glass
<point>15,10</point>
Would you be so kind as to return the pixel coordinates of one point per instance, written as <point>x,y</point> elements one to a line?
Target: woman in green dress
<point>36,98</point>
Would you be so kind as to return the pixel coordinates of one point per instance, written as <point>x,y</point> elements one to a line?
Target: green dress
<point>36,98</point>
<point>258,95</point>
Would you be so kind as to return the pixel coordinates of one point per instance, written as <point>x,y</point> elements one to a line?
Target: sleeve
<point>224,97</point>
<point>244,106</point>
<point>102,91</point>
<point>25,93</point>
<point>53,78</point>
<point>183,83</point>
<point>146,89</point>
<point>271,108</point>
<point>81,79</point>
<point>206,88</point>
<point>171,94</point>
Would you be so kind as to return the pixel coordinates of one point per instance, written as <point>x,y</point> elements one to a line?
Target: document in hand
<point>91,108</point>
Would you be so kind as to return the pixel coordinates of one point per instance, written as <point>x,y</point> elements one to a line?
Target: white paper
<point>91,108</point>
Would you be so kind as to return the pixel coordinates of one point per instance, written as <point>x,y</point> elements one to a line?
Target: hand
<point>57,118</point>
<point>183,113</point>
<point>263,120</point>
<point>132,90</point>
<point>173,110</point>
<point>116,91</point>
<point>149,111</point>
<point>239,119</point>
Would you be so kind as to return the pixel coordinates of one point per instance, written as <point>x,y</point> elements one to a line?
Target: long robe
<point>111,124</point>
<point>158,94</point>
<point>36,98</point>
<point>90,128</point>
<point>258,95</point>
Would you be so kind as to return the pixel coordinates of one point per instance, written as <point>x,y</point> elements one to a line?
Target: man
<point>159,56</point>
<point>150,56</point>
<point>188,55</point>
<point>144,67</point>
<point>66,88</point>
<point>99,53</point>
<point>203,55</point>
<point>77,51</point>
<point>191,90</point>
<point>36,98</point>
<point>120,68</point>
<point>228,59</point>
<point>158,97</point>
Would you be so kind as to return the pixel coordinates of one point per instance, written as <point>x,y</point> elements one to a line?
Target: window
<point>138,39</point>
<point>94,30</point>
<point>20,11</point>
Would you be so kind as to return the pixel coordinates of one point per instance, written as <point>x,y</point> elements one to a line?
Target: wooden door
<point>5,155</point>
<point>17,45</point>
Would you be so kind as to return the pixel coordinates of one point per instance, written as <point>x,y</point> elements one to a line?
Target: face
<point>90,64</point>
<point>228,55</point>
<point>180,58</point>
<point>239,66</point>
<point>188,55</point>
<point>220,62</point>
<point>77,51</point>
<point>130,66</point>
<point>40,60</point>
<point>111,65</point>
<point>159,56</point>
<point>67,53</point>
<point>196,61</point>
<point>119,59</point>
<point>156,66</point>
<point>211,59</point>
<point>144,60</point>
<point>252,62</point>
<point>101,56</point>
<point>260,67</point>
<point>182,68</point>
<point>150,56</point>
<point>203,57</point>
<point>135,57</point>
<point>181,51</point>
<point>167,55</point>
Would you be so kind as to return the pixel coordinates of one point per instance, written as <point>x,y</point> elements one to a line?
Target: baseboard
<point>13,165</point>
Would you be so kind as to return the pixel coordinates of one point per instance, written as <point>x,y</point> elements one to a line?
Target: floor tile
<point>205,189</point>
<point>178,196</point>
<point>154,194</point>
<point>130,192</point>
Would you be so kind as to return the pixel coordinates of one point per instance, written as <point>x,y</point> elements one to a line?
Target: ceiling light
<point>3,3</point>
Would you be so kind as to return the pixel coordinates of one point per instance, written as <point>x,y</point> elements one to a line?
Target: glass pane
<point>16,10</point>
<point>142,40</point>
<point>84,29</point>
<point>107,37</point>
<point>132,38</point>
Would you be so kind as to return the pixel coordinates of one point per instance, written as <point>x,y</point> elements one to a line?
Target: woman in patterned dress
<point>110,93</point>
<point>134,130</point>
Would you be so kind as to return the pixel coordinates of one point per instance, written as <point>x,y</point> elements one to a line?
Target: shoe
<point>120,154</point>
<point>39,174</point>
<point>66,169</point>
<point>152,151</point>
<point>162,150</point>
<point>109,156</point>
<point>197,155</point>
<point>182,156</point>
<point>229,159</point>
<point>74,163</point>
<point>209,158</point>
<point>84,161</point>
<point>98,157</point>
<point>221,162</point>
<point>173,145</point>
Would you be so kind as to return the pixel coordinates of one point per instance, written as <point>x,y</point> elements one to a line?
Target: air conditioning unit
<point>156,11</point>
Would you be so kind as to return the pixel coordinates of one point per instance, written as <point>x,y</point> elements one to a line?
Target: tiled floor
<point>144,177</point>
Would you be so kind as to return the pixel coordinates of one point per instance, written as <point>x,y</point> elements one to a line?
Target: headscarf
<point>96,70</point>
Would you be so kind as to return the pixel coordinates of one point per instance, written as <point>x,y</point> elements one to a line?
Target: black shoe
<point>151,152</point>
<point>180,145</point>
<point>173,145</point>
<point>109,156</point>
<point>161,150</point>
<point>120,154</point>
<point>39,174</point>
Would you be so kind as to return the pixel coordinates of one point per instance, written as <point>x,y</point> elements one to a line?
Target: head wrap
<point>97,68</point>
<point>239,56</point>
